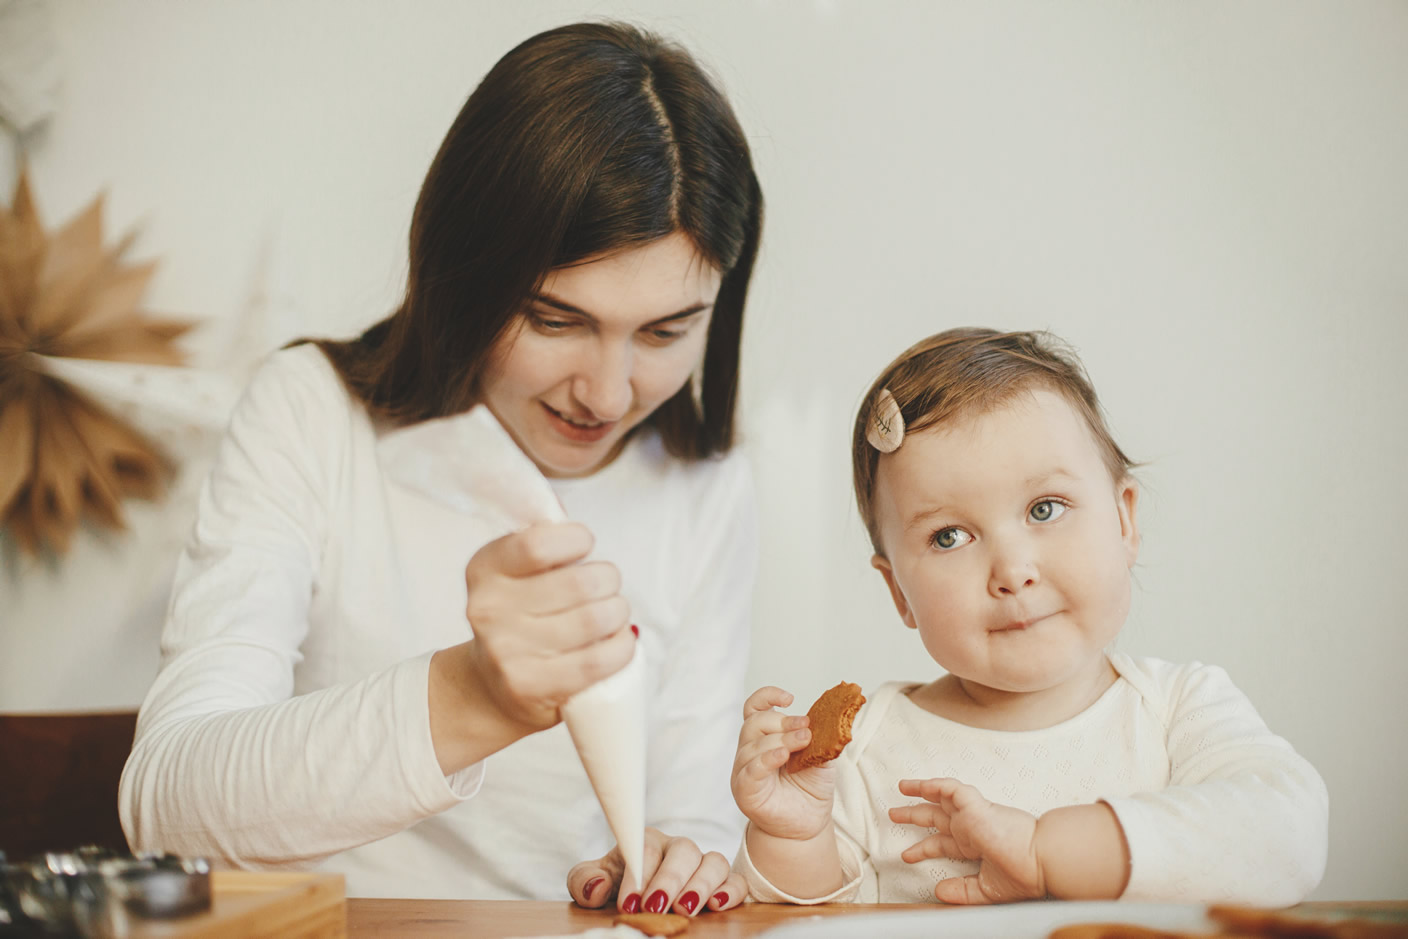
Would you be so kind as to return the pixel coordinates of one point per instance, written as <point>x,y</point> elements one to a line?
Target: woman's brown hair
<point>960,372</point>
<point>582,141</point>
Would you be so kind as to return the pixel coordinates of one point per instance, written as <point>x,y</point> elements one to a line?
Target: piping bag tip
<point>607,725</point>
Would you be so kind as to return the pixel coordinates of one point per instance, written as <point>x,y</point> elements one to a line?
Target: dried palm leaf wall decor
<point>64,457</point>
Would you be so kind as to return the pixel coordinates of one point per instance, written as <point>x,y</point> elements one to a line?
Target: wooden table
<point>499,919</point>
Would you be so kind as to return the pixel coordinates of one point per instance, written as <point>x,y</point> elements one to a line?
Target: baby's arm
<point>1076,852</point>
<point>1244,817</point>
<point>791,840</point>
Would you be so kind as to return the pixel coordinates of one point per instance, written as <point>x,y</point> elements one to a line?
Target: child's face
<point>1008,545</point>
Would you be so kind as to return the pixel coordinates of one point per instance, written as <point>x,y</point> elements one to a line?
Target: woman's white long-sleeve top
<point>289,723</point>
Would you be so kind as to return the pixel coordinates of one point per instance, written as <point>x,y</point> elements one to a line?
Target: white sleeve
<point>698,710</point>
<point>226,762</point>
<point>1244,819</point>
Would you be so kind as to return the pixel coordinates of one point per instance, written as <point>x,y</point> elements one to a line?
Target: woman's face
<point>601,346</point>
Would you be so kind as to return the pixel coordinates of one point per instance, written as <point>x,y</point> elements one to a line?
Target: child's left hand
<point>1002,838</point>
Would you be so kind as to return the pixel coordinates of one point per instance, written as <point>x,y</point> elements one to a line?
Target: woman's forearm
<point>465,726</point>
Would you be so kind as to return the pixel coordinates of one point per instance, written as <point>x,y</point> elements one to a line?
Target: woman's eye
<point>946,539</point>
<point>550,325</point>
<point>662,336</point>
<point>1046,510</point>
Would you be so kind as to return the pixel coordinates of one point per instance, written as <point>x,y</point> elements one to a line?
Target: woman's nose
<point>1014,568</point>
<point>603,382</point>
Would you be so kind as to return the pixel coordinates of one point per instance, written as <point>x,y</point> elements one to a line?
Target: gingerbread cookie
<point>654,924</point>
<point>831,718</point>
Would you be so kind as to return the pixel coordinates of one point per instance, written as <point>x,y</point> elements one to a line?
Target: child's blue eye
<point>1047,510</point>
<point>946,539</point>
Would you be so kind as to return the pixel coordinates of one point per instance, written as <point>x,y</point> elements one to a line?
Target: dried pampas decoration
<point>63,456</point>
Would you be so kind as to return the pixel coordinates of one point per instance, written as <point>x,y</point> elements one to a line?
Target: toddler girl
<point>1043,764</point>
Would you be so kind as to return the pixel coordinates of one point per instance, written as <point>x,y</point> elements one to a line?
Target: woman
<point>357,677</point>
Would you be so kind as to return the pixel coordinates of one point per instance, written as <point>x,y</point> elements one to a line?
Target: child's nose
<point>1014,569</point>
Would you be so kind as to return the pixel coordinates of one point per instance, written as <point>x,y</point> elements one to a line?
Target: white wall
<point>1208,200</point>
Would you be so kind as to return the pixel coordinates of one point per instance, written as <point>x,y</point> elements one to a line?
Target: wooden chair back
<point>58,780</point>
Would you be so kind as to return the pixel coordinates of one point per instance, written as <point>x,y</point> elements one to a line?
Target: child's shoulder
<point>871,716</point>
<point>1171,688</point>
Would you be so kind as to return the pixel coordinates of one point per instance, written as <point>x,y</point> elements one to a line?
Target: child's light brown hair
<point>960,372</point>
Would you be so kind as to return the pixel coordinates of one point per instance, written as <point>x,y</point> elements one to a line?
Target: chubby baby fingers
<point>763,755</point>
<point>942,791</point>
<point>936,845</point>
<point>765,724</point>
<point>923,814</point>
<point>962,890</point>
<point>764,699</point>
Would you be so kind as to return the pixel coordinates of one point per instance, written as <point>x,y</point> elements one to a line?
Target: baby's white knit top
<point>1213,805</point>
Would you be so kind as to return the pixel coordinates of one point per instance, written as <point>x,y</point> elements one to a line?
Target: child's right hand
<point>780,803</point>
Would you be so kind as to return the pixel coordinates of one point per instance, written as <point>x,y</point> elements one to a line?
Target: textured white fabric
<point>1214,806</point>
<point>289,724</point>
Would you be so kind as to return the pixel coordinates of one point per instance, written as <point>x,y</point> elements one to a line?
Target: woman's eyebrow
<point>549,300</point>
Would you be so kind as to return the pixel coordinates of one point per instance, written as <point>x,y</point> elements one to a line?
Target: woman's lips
<point>578,432</point>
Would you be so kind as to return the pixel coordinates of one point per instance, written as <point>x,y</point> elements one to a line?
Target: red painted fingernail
<point>591,885</point>
<point>632,904</point>
<point>657,903</point>
<point>720,899</point>
<point>635,630</point>
<point>689,901</point>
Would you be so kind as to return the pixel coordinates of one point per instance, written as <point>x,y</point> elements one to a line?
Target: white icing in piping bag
<point>467,460</point>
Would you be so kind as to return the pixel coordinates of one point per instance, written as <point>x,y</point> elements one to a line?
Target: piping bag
<point>468,462</point>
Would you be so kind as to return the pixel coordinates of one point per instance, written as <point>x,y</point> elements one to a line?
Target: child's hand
<point>796,806</point>
<point>969,826</point>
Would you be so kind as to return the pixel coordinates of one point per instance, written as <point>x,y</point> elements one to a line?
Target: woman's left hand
<point>680,876</point>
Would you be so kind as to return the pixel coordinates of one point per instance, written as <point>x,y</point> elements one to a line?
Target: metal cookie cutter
<point>94,893</point>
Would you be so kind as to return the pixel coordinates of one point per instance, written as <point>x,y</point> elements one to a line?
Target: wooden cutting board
<point>258,903</point>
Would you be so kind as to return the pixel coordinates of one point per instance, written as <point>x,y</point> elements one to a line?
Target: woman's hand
<point>680,877</point>
<point>968,826</point>
<point>546,625</point>
<point>783,804</point>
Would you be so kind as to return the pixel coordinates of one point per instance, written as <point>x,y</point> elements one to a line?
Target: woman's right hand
<point>547,624</point>
<point>795,806</point>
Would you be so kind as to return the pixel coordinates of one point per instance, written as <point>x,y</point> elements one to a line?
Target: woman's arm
<point>226,761</point>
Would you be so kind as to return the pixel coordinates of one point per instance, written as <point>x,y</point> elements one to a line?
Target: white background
<point>1210,201</point>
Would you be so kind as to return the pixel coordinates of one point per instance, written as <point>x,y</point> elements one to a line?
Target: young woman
<point>359,678</point>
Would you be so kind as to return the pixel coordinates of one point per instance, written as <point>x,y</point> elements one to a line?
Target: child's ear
<point>882,564</point>
<point>1127,502</point>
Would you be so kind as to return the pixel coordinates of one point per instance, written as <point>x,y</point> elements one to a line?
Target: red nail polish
<point>657,903</point>
<point>720,899</point>
<point>635,630</point>
<point>689,901</point>
<point>591,885</point>
<point>632,904</point>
